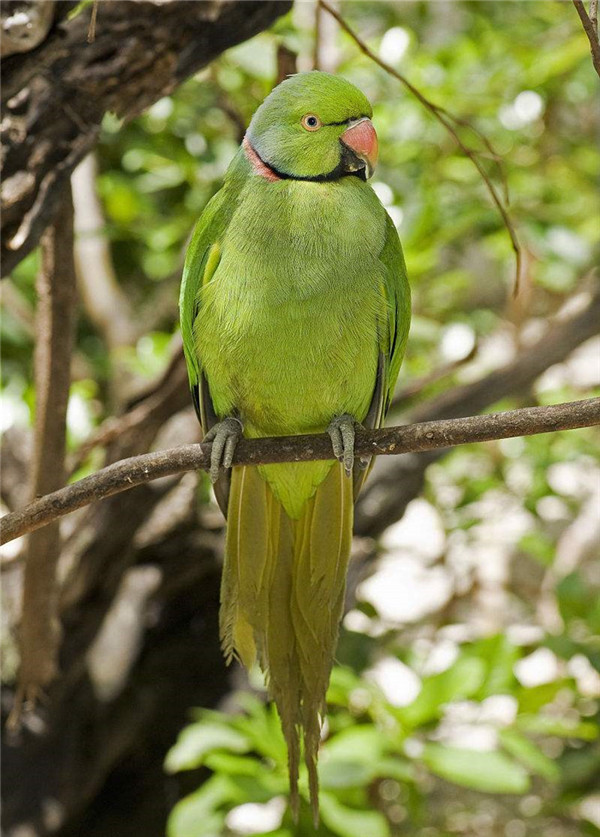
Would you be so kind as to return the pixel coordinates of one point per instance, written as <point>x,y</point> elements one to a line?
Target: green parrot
<point>295,310</point>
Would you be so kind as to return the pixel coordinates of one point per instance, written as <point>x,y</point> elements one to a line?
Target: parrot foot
<point>341,433</point>
<point>224,437</point>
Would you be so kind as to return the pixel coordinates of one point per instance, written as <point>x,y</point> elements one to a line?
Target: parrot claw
<point>341,433</point>
<point>224,437</point>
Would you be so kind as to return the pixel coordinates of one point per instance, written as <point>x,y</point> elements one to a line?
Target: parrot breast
<point>288,326</point>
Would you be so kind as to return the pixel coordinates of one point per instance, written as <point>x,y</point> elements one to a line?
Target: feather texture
<point>282,597</point>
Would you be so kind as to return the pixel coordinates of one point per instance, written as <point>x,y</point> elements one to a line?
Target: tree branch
<point>390,441</point>
<point>589,27</point>
<point>104,300</point>
<point>54,326</point>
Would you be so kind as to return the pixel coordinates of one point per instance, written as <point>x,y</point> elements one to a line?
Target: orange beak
<point>361,139</point>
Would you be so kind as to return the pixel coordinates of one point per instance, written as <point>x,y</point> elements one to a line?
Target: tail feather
<point>282,598</point>
<point>320,563</point>
<point>247,550</point>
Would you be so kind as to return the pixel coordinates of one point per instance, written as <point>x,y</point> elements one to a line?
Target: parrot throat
<point>349,165</point>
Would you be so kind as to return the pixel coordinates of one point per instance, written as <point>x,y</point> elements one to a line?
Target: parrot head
<point>313,126</point>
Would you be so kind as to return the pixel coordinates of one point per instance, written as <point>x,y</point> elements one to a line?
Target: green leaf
<point>262,728</point>
<point>355,756</point>
<point>259,788</point>
<point>396,768</point>
<point>343,682</point>
<point>270,781</point>
<point>540,546</point>
<point>531,699</point>
<point>561,727</point>
<point>351,822</point>
<point>199,739</point>
<point>529,754</point>
<point>197,815</point>
<point>461,680</point>
<point>364,743</point>
<point>346,774</point>
<point>499,656</point>
<point>487,771</point>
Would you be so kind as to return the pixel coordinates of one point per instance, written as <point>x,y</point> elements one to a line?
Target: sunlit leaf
<point>487,771</point>
<point>199,814</point>
<point>562,727</point>
<point>199,739</point>
<point>461,680</point>
<point>351,822</point>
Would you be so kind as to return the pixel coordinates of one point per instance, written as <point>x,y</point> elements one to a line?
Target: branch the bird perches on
<point>411,438</point>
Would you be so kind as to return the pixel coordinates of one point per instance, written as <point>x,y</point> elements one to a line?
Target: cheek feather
<point>258,167</point>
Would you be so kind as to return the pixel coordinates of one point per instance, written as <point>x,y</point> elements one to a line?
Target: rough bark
<point>54,98</point>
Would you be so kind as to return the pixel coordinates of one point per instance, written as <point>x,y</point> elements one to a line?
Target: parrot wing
<point>201,262</point>
<point>397,291</point>
<point>392,337</point>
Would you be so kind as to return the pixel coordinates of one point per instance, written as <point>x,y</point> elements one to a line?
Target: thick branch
<point>54,325</point>
<point>391,441</point>
<point>103,299</point>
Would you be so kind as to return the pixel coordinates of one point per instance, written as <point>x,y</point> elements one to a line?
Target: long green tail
<point>282,599</point>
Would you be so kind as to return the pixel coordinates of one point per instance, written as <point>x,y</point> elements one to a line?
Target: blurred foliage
<point>495,739</point>
<point>379,761</point>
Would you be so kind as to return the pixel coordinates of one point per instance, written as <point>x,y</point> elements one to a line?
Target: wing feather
<point>397,291</point>
<point>392,337</point>
<point>201,263</point>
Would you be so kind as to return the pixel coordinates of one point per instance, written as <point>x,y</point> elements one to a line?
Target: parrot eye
<point>311,122</point>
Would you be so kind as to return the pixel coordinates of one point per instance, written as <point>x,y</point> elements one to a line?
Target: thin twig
<point>394,440</point>
<point>317,37</point>
<point>447,119</point>
<point>417,385</point>
<point>286,62</point>
<point>590,27</point>
<point>91,36</point>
